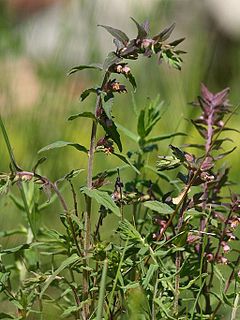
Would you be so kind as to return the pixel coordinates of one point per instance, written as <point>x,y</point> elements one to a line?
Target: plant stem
<point>88,200</point>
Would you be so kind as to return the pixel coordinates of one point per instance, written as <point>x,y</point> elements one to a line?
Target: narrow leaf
<point>111,131</point>
<point>40,161</point>
<point>74,258</point>
<point>118,34</point>
<point>128,133</point>
<point>6,316</point>
<point>158,206</point>
<point>165,136</point>
<point>16,249</point>
<point>127,161</point>
<point>9,147</point>
<point>61,144</point>
<point>222,155</point>
<point>129,76</point>
<point>85,66</point>
<point>102,198</point>
<point>141,30</point>
<point>102,291</point>
<point>151,270</point>
<point>86,93</point>
<point>141,124</point>
<point>89,115</point>
<point>107,103</point>
<point>111,59</point>
<point>165,34</point>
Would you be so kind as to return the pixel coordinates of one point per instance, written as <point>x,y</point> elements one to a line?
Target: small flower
<point>222,260</point>
<point>106,145</point>
<point>225,246</point>
<point>209,257</point>
<point>114,86</point>
<point>192,238</point>
<point>234,222</point>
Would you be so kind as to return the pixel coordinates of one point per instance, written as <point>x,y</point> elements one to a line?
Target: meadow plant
<point>174,252</point>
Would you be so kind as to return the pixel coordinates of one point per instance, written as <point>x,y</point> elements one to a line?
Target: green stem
<point>102,291</point>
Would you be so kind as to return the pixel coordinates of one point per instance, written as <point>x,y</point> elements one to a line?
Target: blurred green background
<point>42,39</point>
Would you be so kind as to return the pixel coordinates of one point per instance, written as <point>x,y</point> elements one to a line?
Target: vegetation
<point>172,251</point>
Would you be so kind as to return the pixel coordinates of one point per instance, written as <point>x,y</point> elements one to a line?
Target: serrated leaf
<point>128,133</point>
<point>102,198</point>
<point>127,161</point>
<point>86,114</point>
<point>159,207</point>
<point>61,144</point>
<point>87,92</point>
<point>165,136</point>
<point>85,66</point>
<point>70,260</point>
<point>141,30</point>
<point>111,59</point>
<point>116,33</point>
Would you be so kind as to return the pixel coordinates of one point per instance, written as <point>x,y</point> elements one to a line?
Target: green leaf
<point>86,114</point>
<point>61,144</point>
<point>159,207</point>
<point>118,34</point>
<point>9,147</point>
<point>141,31</point>
<point>111,131</point>
<point>129,76</point>
<point>87,92</point>
<point>165,34</point>
<point>70,310</point>
<point>74,258</point>
<point>168,163</point>
<point>107,103</point>
<point>141,124</point>
<point>222,155</point>
<point>16,249</point>
<point>40,161</point>
<point>103,198</point>
<point>165,136</point>
<point>6,316</point>
<point>128,231</point>
<point>100,305</point>
<point>111,59</point>
<point>128,133</point>
<point>127,161</point>
<point>151,270</point>
<point>85,66</point>
<point>7,233</point>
